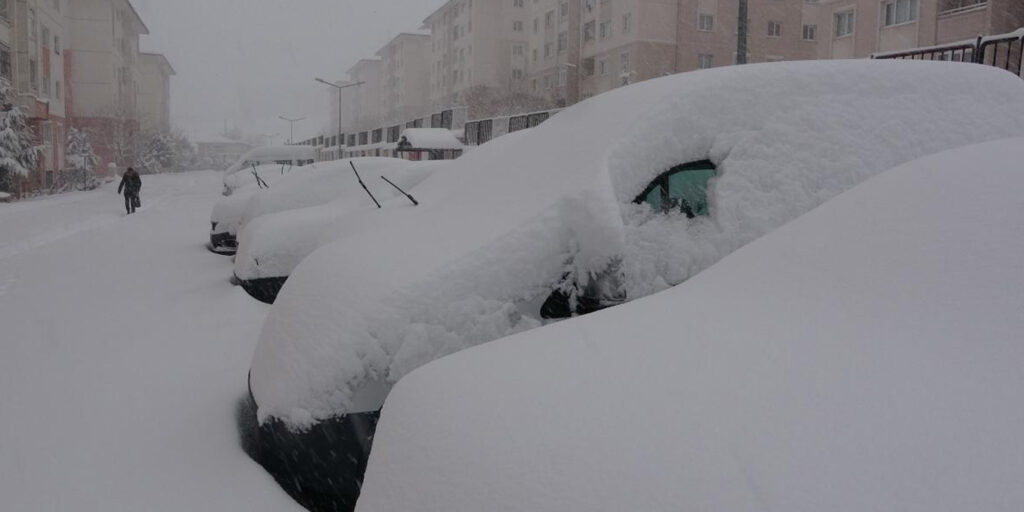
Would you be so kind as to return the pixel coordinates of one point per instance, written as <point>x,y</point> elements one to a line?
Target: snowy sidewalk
<point>123,353</point>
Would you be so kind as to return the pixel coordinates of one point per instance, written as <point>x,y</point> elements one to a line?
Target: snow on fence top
<point>497,231</point>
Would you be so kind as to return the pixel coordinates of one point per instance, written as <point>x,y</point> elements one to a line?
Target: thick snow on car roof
<point>507,220</point>
<point>272,154</point>
<point>430,138</point>
<point>864,357</point>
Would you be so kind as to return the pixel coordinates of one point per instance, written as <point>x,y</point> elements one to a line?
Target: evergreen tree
<point>82,160</point>
<point>19,154</point>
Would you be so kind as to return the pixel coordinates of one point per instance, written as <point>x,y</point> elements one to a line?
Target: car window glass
<point>683,188</point>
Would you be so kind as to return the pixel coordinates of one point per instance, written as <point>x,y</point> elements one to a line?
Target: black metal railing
<point>1005,51</point>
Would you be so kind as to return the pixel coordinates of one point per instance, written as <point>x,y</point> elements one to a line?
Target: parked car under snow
<point>865,357</point>
<point>615,198</point>
<point>285,157</point>
<point>314,185</point>
<point>272,245</point>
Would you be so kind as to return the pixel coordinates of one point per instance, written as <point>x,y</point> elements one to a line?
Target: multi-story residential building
<point>35,67</point>
<point>221,152</point>
<point>105,75</point>
<point>155,92</point>
<point>476,43</point>
<point>551,54</point>
<point>404,78</point>
<point>361,103</point>
<point>858,28</point>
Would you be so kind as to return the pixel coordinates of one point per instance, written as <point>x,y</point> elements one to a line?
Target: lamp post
<point>291,124</point>
<point>339,88</point>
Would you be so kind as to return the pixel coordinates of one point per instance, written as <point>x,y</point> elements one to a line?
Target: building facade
<point>404,78</point>
<point>154,98</point>
<point>105,76</point>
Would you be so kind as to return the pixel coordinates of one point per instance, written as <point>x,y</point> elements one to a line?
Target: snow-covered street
<point>123,354</point>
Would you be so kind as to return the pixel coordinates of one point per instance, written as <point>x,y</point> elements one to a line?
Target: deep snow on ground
<point>865,357</point>
<point>123,354</point>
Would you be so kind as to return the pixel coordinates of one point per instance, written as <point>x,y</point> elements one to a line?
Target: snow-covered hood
<point>501,226</point>
<point>864,357</point>
<point>295,153</point>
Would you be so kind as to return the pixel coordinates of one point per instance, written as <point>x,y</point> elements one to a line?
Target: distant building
<point>404,78</point>
<point>221,152</point>
<point>858,28</point>
<point>473,44</point>
<point>155,92</point>
<point>362,102</point>
<point>105,75</point>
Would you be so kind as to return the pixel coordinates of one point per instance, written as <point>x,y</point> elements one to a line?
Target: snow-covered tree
<point>19,153</point>
<point>82,160</point>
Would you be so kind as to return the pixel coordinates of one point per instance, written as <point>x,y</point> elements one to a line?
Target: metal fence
<point>1005,51</point>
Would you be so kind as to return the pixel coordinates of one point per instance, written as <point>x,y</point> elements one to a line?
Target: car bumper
<point>223,243</point>
<point>321,468</point>
<point>263,289</point>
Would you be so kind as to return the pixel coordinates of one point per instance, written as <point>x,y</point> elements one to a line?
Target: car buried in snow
<point>272,245</point>
<point>277,190</point>
<point>865,357</point>
<point>241,174</point>
<point>620,196</point>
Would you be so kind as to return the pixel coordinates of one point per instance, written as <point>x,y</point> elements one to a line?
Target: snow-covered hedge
<point>501,226</point>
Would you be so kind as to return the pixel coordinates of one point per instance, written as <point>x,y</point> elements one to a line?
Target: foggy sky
<point>250,61</point>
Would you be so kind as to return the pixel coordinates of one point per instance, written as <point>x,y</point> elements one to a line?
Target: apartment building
<point>155,73</point>
<point>105,75</point>
<point>32,59</point>
<point>858,28</point>
<point>361,104</point>
<point>404,78</point>
<point>476,43</point>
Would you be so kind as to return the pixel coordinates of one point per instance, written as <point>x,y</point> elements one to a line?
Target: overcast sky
<point>250,61</point>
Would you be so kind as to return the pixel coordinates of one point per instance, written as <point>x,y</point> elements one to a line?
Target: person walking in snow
<point>131,183</point>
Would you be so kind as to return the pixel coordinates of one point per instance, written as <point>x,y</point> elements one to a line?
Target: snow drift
<point>499,229</point>
<point>864,357</point>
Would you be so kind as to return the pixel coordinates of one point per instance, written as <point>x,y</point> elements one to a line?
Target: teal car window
<point>683,188</point>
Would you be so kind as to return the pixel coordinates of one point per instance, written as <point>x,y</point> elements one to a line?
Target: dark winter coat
<point>131,183</point>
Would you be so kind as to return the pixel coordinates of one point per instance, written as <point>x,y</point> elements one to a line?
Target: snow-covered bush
<point>82,160</point>
<point>19,152</point>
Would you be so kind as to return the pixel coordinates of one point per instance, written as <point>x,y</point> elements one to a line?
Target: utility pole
<point>291,124</point>
<point>741,34</point>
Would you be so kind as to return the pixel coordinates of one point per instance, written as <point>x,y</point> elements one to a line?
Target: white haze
<point>246,62</point>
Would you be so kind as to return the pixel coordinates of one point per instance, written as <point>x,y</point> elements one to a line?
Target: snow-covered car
<point>620,196</point>
<point>866,356</point>
<point>272,245</point>
<point>314,185</point>
<point>240,174</point>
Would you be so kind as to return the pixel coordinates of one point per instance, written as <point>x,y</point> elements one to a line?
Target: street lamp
<point>339,88</point>
<point>291,124</point>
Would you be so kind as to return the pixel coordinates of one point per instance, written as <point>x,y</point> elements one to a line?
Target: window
<point>536,25</point>
<point>46,36</point>
<point>774,29</point>
<point>563,10</point>
<point>3,10</point>
<point>705,22</point>
<point>604,67</point>
<point>844,22</point>
<point>705,61</point>
<point>33,77</point>
<point>588,30</point>
<point>683,188</point>
<point>517,26</point>
<point>547,50</point>
<point>517,50</point>
<point>606,29</point>
<point>517,3</point>
<point>627,23</point>
<point>535,55</point>
<point>624,60</point>
<point>56,45</point>
<point>588,66</point>
<point>954,5</point>
<point>895,12</point>
<point>549,19</point>
<point>810,32</point>
<point>5,62</point>
<point>563,42</point>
